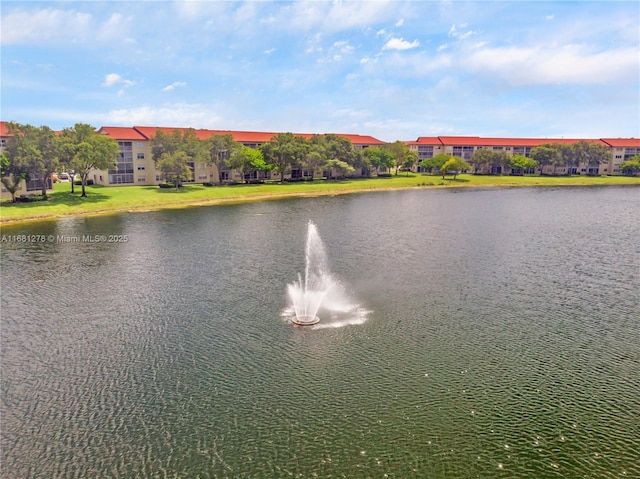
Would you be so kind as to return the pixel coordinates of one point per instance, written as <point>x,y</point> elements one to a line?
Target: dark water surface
<point>502,340</point>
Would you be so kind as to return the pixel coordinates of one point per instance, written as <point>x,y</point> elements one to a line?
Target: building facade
<point>464,146</point>
<point>136,166</point>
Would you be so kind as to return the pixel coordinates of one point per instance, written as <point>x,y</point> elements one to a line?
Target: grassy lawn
<point>101,199</point>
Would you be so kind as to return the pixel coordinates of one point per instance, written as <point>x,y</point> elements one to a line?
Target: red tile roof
<point>428,140</point>
<point>478,141</point>
<point>122,133</point>
<point>622,142</point>
<point>526,142</point>
<point>251,136</point>
<point>4,129</point>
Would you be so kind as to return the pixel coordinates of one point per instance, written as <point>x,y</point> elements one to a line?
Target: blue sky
<point>394,70</point>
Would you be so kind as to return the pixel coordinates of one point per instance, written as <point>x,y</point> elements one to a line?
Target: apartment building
<point>464,146</point>
<point>135,165</point>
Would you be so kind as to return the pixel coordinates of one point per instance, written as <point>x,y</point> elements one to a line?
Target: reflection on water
<point>502,339</point>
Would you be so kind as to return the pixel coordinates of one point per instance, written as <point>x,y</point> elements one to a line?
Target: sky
<point>394,70</point>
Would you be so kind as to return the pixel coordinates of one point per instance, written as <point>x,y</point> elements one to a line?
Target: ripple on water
<point>170,357</point>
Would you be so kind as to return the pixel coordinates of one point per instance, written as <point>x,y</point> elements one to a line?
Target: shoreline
<point>251,198</point>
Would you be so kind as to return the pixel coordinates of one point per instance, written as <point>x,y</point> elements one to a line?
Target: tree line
<point>36,153</point>
<point>173,152</point>
<point>551,155</point>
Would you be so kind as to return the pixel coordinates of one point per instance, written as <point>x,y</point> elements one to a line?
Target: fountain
<point>318,289</point>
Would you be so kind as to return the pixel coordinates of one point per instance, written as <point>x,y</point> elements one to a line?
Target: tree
<point>186,141</point>
<point>339,148</point>
<point>221,148</point>
<point>546,155</point>
<point>435,163</point>
<point>174,167</point>
<point>342,167</point>
<point>35,149</point>
<point>400,152</point>
<point>284,150</point>
<point>520,163</point>
<point>177,141</point>
<point>324,148</point>
<point>313,160</point>
<point>489,159</point>
<point>379,158</point>
<point>11,174</point>
<point>631,166</point>
<point>84,150</point>
<point>247,160</point>
<point>455,166</point>
<point>410,161</point>
<point>591,155</point>
<point>567,156</point>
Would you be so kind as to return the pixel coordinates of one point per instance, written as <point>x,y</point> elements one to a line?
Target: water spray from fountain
<point>319,290</point>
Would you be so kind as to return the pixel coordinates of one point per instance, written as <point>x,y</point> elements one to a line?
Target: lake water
<point>500,338</point>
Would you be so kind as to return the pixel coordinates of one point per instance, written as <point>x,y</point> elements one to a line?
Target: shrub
<point>166,185</point>
<point>207,183</point>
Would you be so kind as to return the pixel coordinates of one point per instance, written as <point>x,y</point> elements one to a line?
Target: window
<point>141,167</point>
<point>139,144</point>
<point>463,151</point>
<point>3,142</point>
<point>124,169</point>
<point>203,177</point>
<point>141,156</point>
<point>157,177</point>
<point>141,179</point>
<point>425,152</point>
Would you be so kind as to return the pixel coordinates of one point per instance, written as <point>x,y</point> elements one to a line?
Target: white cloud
<point>196,11</point>
<point>174,114</point>
<point>453,32</point>
<point>570,64</point>
<point>58,27</point>
<point>400,22</point>
<point>336,16</point>
<point>112,79</point>
<point>33,26</point>
<point>411,65</point>
<point>270,51</point>
<point>174,85</point>
<point>343,46</point>
<point>400,44</point>
<point>549,17</point>
<point>351,113</point>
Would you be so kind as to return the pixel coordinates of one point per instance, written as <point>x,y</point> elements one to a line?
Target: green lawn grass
<point>102,199</point>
